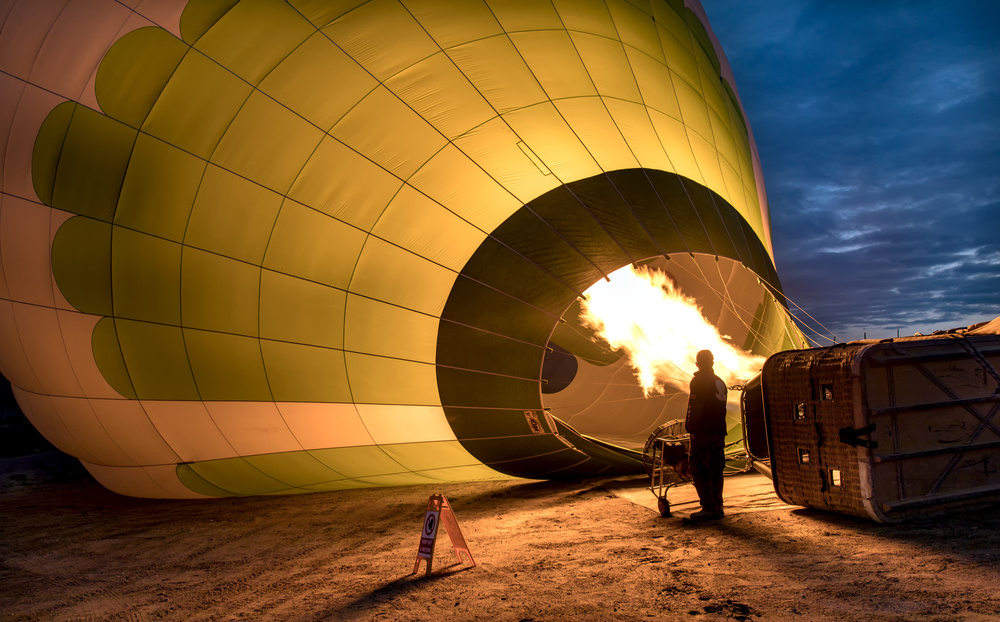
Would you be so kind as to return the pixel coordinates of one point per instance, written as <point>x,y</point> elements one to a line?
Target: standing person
<point>706,423</point>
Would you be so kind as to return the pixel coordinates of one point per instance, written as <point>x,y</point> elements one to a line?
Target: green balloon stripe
<point>331,469</point>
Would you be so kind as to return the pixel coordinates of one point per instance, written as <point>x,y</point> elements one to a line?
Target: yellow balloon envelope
<point>260,246</point>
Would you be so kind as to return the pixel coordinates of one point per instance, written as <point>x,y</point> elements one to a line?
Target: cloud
<point>878,126</point>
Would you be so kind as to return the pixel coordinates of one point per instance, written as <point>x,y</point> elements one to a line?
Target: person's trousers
<point>707,462</point>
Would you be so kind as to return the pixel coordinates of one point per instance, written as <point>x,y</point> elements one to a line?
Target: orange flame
<point>661,330</point>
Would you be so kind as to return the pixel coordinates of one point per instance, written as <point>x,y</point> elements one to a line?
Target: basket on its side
<point>886,430</point>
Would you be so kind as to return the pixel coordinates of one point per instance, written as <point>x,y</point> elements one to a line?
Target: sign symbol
<point>429,524</point>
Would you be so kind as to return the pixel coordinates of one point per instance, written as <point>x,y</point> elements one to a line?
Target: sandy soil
<point>71,550</point>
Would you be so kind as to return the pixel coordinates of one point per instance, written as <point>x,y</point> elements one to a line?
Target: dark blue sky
<point>878,127</point>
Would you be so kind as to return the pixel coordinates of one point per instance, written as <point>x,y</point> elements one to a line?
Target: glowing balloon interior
<point>259,247</point>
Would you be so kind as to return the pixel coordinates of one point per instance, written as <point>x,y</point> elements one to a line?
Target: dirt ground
<point>70,550</point>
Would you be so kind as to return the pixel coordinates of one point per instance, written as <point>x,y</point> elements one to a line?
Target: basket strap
<point>976,354</point>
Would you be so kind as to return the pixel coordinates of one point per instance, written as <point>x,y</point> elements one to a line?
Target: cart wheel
<point>664,506</point>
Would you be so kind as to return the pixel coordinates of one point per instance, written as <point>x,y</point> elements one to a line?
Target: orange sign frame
<point>439,511</point>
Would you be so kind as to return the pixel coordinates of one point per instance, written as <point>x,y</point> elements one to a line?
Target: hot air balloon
<point>262,247</point>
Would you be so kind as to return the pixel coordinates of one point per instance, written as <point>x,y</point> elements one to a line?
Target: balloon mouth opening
<point>596,387</point>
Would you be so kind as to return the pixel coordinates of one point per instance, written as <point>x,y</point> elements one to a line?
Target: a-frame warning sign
<point>439,511</point>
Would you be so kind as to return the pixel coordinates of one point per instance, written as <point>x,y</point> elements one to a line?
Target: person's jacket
<point>707,405</point>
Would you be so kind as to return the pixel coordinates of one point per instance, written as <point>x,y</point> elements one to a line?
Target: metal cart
<point>665,456</point>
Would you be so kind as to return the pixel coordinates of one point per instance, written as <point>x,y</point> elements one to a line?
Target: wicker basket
<point>886,430</point>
